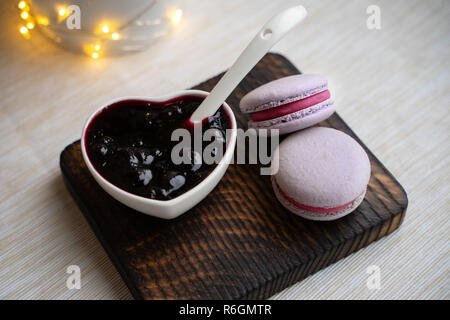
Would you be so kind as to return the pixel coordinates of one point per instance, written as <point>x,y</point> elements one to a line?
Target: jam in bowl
<point>127,147</point>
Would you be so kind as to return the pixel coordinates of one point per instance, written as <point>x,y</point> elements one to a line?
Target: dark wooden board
<point>239,242</point>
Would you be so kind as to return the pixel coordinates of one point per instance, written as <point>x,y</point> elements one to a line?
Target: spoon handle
<point>270,34</point>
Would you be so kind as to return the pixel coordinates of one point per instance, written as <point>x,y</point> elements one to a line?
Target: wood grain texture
<point>239,242</point>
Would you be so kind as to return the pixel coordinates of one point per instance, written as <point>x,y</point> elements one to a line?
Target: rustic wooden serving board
<point>239,242</point>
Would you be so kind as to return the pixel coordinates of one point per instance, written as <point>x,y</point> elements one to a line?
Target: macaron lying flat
<point>322,174</point>
<point>289,104</point>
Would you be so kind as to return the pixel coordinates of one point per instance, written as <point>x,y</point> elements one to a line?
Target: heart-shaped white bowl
<point>166,209</point>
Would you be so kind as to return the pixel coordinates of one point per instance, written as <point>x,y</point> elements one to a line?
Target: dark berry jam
<point>129,144</point>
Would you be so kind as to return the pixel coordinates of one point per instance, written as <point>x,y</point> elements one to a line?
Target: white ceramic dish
<point>166,209</point>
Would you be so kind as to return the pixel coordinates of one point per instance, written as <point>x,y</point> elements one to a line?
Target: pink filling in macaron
<point>290,107</point>
<point>312,209</point>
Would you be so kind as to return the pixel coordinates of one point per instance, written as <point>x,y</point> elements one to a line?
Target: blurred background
<point>391,85</point>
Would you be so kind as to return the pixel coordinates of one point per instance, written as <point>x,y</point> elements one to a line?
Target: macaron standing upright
<point>289,104</point>
<point>320,173</point>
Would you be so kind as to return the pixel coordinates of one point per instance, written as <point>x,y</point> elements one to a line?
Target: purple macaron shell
<point>322,167</point>
<point>299,120</point>
<point>283,91</point>
<point>316,215</point>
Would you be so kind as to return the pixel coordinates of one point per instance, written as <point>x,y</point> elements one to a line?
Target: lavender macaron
<point>322,174</point>
<point>289,104</point>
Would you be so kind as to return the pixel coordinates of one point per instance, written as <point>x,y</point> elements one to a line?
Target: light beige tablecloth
<point>391,86</point>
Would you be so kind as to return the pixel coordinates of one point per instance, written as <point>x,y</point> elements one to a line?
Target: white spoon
<point>275,29</point>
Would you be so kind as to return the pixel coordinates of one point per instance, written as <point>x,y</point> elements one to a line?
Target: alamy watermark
<point>373,281</point>
<point>74,280</point>
<point>261,147</point>
<point>373,21</point>
<point>71,15</point>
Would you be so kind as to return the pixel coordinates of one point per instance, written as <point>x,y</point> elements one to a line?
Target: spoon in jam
<point>275,29</point>
<point>129,175</point>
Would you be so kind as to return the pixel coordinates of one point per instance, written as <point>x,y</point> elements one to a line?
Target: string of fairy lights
<point>104,31</point>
